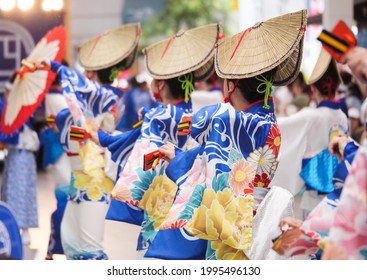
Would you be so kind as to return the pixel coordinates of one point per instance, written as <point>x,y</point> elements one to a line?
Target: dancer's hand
<point>289,222</point>
<point>44,63</point>
<point>356,59</point>
<point>94,137</point>
<point>168,151</point>
<point>337,145</point>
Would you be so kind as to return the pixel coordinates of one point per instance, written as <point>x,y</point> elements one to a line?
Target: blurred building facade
<point>20,30</point>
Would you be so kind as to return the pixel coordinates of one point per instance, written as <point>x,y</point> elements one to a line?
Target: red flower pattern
<point>134,202</point>
<point>274,139</point>
<point>179,224</point>
<point>261,181</point>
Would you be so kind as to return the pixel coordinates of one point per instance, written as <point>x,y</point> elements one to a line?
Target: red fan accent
<point>151,160</point>
<point>30,86</point>
<point>78,134</point>
<point>339,41</point>
<point>183,128</point>
<point>51,121</point>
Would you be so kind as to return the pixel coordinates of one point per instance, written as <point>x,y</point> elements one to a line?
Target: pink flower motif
<point>194,174</point>
<point>241,177</point>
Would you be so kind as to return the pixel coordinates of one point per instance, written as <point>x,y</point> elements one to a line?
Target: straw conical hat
<point>258,49</point>
<point>322,64</point>
<point>184,52</point>
<point>204,72</point>
<point>111,47</point>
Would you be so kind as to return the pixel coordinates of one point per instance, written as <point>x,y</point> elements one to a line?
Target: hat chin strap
<point>157,94</point>
<point>228,98</point>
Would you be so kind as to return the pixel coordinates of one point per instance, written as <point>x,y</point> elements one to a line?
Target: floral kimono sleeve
<point>119,145</point>
<point>349,230</point>
<point>215,201</point>
<point>316,228</point>
<point>159,126</point>
<point>91,96</point>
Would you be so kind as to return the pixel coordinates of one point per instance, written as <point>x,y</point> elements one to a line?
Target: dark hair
<point>354,90</point>
<point>346,77</point>
<point>248,86</point>
<point>329,82</point>
<point>57,79</point>
<point>175,86</point>
<point>105,74</point>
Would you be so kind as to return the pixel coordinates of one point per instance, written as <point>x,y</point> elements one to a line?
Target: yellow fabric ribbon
<point>187,85</point>
<point>267,90</point>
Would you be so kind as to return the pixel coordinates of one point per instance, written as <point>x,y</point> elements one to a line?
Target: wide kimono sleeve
<point>89,94</point>
<point>204,182</point>
<point>119,145</point>
<point>63,121</point>
<point>348,233</point>
<point>159,126</point>
<point>316,228</point>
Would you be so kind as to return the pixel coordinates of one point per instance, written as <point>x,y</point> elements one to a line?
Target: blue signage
<point>19,33</point>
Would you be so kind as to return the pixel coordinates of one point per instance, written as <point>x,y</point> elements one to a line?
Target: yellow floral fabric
<point>158,199</point>
<point>225,252</point>
<point>91,183</point>
<point>222,216</point>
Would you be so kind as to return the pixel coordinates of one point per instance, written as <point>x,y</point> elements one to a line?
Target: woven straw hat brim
<point>110,48</point>
<point>205,71</point>
<point>266,45</point>
<point>185,52</point>
<point>129,60</point>
<point>322,64</point>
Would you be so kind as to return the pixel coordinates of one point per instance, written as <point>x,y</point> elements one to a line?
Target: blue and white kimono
<point>237,153</point>
<point>120,147</point>
<point>57,164</point>
<point>159,125</point>
<point>89,192</point>
<point>82,226</point>
<point>317,225</point>
<point>305,137</point>
<point>92,97</point>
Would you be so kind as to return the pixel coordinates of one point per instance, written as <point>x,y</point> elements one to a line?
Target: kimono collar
<point>332,104</point>
<point>215,89</point>
<point>258,106</point>
<point>183,105</point>
<point>116,91</point>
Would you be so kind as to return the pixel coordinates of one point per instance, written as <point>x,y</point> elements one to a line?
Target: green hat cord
<point>114,72</point>
<point>187,85</point>
<point>267,90</point>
